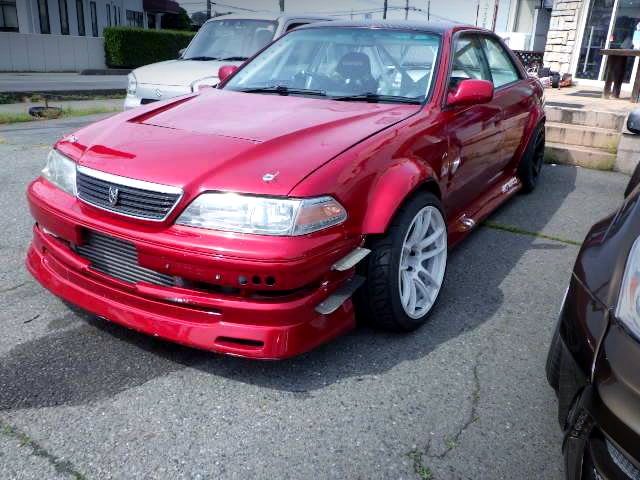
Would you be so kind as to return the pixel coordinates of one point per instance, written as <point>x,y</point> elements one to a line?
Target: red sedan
<point>333,169</point>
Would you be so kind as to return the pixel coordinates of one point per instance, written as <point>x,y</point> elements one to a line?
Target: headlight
<point>262,215</point>
<point>132,85</point>
<point>211,81</point>
<point>628,309</point>
<point>61,171</point>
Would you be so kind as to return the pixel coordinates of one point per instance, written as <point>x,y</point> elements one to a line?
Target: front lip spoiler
<point>260,329</point>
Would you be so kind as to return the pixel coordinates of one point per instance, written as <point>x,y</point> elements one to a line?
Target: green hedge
<point>127,47</point>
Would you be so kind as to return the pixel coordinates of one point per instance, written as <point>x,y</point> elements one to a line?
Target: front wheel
<point>406,267</point>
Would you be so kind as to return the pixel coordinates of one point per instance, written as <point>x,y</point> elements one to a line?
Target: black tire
<point>378,300</point>
<point>568,388</point>
<point>532,161</point>
<point>554,359</point>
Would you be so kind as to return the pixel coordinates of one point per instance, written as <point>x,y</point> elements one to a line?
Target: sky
<point>457,10</point>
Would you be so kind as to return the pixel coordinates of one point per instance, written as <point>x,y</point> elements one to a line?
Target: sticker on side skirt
<point>509,185</point>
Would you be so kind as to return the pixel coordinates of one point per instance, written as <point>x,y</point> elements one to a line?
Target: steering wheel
<point>312,81</point>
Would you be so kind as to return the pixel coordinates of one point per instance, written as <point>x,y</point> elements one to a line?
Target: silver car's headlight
<point>210,81</point>
<point>262,215</point>
<point>628,308</point>
<point>132,86</point>
<point>60,171</point>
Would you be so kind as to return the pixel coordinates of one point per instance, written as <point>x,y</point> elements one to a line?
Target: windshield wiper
<point>376,97</point>
<point>202,57</point>
<point>233,59</point>
<point>282,90</point>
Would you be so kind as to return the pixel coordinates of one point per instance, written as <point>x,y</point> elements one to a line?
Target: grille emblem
<point>158,92</point>
<point>114,193</point>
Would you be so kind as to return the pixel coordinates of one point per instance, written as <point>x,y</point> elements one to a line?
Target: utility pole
<point>282,5</point>
<point>384,13</point>
<point>495,15</point>
<point>428,10</point>
<point>477,12</point>
<point>208,9</point>
<point>406,10</point>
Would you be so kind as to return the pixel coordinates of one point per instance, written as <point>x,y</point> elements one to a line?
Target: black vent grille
<point>131,201</point>
<point>119,259</point>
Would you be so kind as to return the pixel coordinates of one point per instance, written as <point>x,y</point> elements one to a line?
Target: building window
<point>43,13</point>
<point>64,17</point>
<point>94,19</point>
<point>80,16</point>
<point>134,19</point>
<point>8,16</point>
<point>108,15</point>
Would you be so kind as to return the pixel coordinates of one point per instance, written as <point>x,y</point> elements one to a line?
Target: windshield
<point>230,40</point>
<point>345,63</point>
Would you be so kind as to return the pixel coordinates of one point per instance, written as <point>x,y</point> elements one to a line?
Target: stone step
<point>582,135</point>
<point>587,157</point>
<point>589,118</point>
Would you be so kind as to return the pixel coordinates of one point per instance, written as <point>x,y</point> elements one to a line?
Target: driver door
<point>475,132</point>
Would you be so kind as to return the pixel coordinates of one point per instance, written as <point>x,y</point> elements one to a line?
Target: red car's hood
<point>228,141</point>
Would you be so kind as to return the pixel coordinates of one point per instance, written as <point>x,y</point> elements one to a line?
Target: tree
<point>179,21</point>
<point>199,18</point>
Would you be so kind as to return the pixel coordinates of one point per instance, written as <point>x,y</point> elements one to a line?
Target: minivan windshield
<point>357,64</point>
<point>230,40</point>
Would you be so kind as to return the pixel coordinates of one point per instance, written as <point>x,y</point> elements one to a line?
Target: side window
<point>291,26</point>
<point>468,61</point>
<point>503,71</point>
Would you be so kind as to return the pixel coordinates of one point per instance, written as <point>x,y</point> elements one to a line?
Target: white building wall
<point>29,21</point>
<point>29,50</point>
<point>50,53</point>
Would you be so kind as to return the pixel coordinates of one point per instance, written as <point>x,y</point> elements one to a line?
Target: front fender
<point>391,189</point>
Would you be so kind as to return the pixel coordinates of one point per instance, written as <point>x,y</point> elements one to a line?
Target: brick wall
<point>561,39</point>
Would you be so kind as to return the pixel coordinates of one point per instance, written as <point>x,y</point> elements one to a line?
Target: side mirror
<point>633,122</point>
<point>226,71</point>
<point>471,92</point>
<point>181,52</point>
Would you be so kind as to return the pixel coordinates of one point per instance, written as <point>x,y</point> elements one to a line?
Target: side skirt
<point>503,189</point>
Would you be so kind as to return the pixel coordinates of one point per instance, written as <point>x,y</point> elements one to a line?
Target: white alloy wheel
<point>423,262</point>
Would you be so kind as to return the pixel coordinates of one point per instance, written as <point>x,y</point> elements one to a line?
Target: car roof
<point>432,27</point>
<point>274,16</point>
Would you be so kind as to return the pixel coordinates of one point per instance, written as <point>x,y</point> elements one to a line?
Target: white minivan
<point>225,40</point>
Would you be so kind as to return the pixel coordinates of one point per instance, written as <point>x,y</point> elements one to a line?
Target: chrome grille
<point>126,196</point>
<point>119,259</point>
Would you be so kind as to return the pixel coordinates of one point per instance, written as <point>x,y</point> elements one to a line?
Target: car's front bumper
<point>274,326</point>
<point>131,101</point>
<point>148,93</point>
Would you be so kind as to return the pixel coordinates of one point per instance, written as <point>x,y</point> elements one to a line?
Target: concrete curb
<point>106,71</point>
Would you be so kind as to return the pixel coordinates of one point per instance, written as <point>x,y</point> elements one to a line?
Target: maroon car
<point>243,219</point>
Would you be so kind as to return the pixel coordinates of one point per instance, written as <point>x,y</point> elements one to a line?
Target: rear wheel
<point>532,160</point>
<point>406,267</point>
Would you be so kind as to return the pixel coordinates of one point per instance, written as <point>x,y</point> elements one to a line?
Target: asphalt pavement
<point>463,397</point>
<point>60,82</point>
